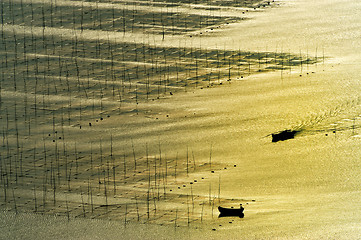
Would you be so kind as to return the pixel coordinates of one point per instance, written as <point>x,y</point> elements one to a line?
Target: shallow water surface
<point>302,188</point>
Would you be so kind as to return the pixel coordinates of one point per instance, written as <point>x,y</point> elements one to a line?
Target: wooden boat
<point>284,135</point>
<point>231,212</point>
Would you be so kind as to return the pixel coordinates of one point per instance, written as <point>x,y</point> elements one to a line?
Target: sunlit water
<point>304,188</point>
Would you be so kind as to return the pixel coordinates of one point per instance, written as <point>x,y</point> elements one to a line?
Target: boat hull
<point>284,135</point>
<point>231,212</point>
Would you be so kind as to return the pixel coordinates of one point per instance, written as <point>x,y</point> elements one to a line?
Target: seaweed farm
<point>93,94</point>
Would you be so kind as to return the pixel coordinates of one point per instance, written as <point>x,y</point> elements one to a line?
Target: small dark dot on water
<point>184,185</point>
<point>230,222</point>
<point>59,137</point>
<point>90,124</point>
<point>178,187</point>
<point>300,75</point>
<point>49,134</point>
<point>326,134</point>
<point>53,140</point>
<point>108,116</point>
<point>101,119</point>
<point>202,177</point>
<point>213,229</point>
<point>195,180</point>
<point>220,225</point>
<point>170,190</point>
<point>234,165</point>
<point>334,131</point>
<point>190,183</point>
<point>225,168</point>
<point>56,131</point>
<point>212,171</point>
<point>96,120</point>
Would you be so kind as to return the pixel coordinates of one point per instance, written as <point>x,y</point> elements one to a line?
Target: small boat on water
<point>284,135</point>
<point>231,212</point>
